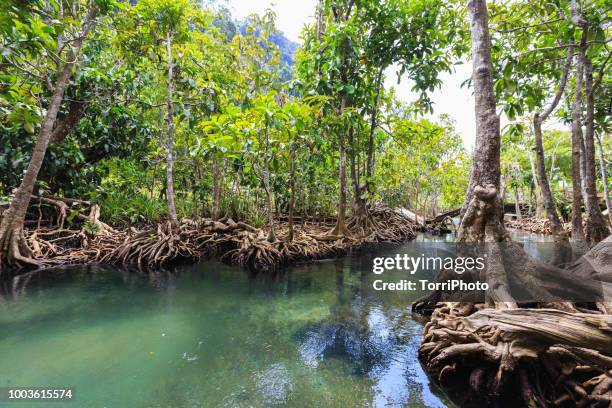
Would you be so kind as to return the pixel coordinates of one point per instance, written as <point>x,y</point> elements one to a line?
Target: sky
<point>292,14</point>
<point>450,99</point>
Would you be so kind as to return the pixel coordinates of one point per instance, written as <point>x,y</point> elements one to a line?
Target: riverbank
<point>535,225</point>
<point>189,241</point>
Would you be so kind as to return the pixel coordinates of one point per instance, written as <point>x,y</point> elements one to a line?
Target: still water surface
<point>211,335</point>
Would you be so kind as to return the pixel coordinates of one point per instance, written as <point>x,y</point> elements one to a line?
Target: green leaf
<point>72,215</point>
<point>29,127</point>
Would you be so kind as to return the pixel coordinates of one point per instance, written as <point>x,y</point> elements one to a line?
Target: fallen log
<point>441,217</point>
<point>416,219</point>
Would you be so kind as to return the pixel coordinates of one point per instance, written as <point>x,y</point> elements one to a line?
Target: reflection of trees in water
<point>66,291</point>
<point>377,342</point>
<point>128,277</point>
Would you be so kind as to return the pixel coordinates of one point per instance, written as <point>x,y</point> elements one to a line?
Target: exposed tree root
<point>540,226</point>
<point>531,224</point>
<point>235,243</point>
<point>241,244</point>
<point>560,355</point>
<point>492,353</point>
<point>15,253</point>
<point>382,224</point>
<point>551,356</point>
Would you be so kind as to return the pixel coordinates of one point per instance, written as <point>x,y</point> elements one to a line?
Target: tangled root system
<point>236,243</point>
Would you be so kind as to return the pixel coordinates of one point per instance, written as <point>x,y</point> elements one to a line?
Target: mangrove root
<point>554,358</point>
<point>237,243</point>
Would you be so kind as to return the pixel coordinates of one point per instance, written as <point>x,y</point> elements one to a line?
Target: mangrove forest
<point>317,203</point>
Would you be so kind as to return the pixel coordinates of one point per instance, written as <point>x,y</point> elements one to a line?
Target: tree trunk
<point>596,229</point>
<point>195,190</point>
<point>359,209</point>
<point>542,179</point>
<point>65,126</point>
<point>14,250</point>
<point>517,204</point>
<point>604,178</point>
<point>216,188</point>
<point>170,139</point>
<point>320,17</point>
<point>577,230</point>
<point>503,183</point>
<point>553,157</point>
<point>482,211</point>
<point>373,124</point>
<point>303,207</point>
<point>585,197</point>
<point>292,196</point>
<point>516,357</point>
<point>340,227</point>
<point>269,199</point>
<point>270,204</point>
<point>537,191</point>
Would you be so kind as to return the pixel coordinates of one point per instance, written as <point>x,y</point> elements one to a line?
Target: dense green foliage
<point>531,46</point>
<point>258,126</point>
<point>247,118</point>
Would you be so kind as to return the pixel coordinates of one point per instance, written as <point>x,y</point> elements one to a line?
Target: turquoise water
<point>211,335</point>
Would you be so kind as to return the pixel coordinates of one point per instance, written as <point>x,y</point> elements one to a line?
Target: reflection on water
<point>536,245</point>
<point>211,335</point>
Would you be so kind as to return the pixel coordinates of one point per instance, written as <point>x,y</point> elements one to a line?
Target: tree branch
<point>560,47</point>
<point>65,126</point>
<point>529,26</point>
<point>562,84</point>
<point>601,71</point>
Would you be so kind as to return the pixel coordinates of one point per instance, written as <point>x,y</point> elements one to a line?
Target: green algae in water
<point>214,336</point>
